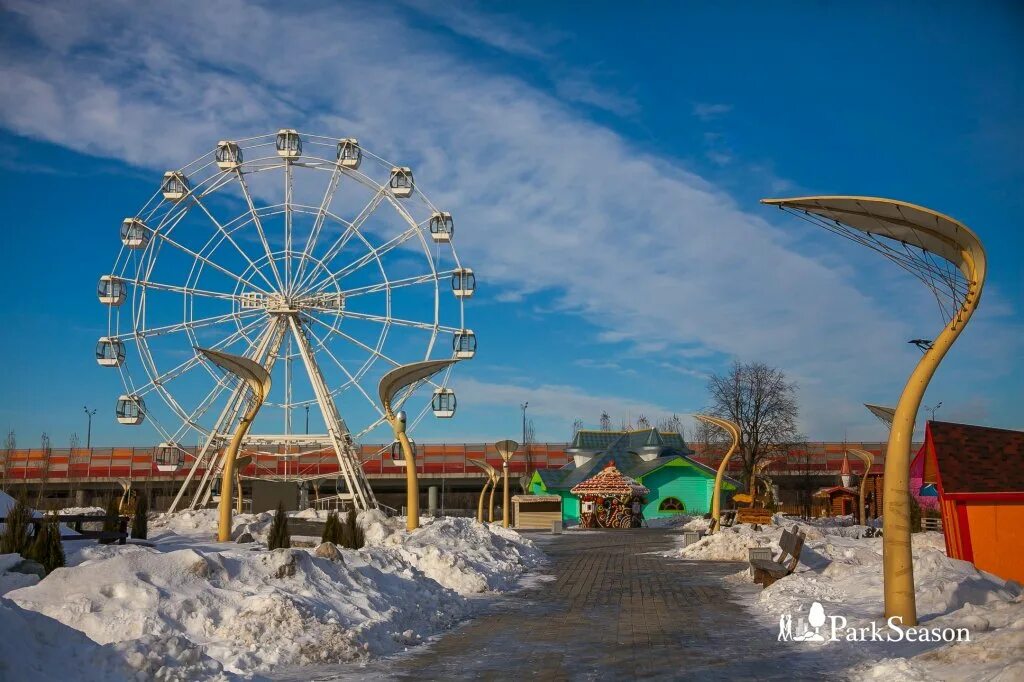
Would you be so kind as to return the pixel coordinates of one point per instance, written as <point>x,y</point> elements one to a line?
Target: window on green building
<point>672,504</point>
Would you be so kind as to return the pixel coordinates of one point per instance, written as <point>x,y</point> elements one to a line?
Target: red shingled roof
<point>610,481</point>
<point>977,459</point>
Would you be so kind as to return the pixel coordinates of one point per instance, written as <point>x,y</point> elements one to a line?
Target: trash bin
<point>556,527</point>
<point>690,537</point>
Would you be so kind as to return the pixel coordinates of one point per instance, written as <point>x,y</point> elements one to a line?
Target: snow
<point>842,570</point>
<point>191,608</point>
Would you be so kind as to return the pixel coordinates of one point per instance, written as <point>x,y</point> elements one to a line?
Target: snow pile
<point>190,608</point>
<point>82,511</point>
<point>10,579</point>
<point>201,524</point>
<point>459,553</point>
<point>34,647</point>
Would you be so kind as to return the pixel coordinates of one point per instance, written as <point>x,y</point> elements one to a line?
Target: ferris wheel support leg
<point>348,460</point>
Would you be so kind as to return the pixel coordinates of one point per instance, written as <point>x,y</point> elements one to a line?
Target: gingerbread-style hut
<point>606,500</point>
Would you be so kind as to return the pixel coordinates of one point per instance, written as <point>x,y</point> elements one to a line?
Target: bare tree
<point>643,423</point>
<point>606,421</point>
<point>73,441</point>
<point>577,426</point>
<point>672,424</point>
<point>44,443</point>
<point>763,403</point>
<point>10,445</point>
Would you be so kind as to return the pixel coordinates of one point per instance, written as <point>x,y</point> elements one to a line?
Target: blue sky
<point>604,168</point>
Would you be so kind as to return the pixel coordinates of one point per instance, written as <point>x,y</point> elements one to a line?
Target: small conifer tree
<point>110,518</point>
<point>279,536</point>
<point>915,515</point>
<point>352,534</point>
<point>15,538</point>
<point>329,528</point>
<point>140,521</point>
<point>47,548</point>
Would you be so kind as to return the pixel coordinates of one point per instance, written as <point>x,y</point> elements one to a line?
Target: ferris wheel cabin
<point>349,153</point>
<point>442,227</point>
<point>463,282</point>
<point>109,352</point>
<point>464,344</point>
<point>401,182</point>
<point>397,456</point>
<point>134,233</point>
<point>174,186</point>
<point>444,403</point>
<point>111,290</point>
<point>228,155</point>
<point>131,410</point>
<point>289,144</point>
<point>169,457</point>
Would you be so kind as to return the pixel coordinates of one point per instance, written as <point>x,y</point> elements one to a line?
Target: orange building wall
<point>997,537</point>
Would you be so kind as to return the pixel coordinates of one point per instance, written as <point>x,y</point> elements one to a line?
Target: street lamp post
<point>258,380</point>
<point>716,500</point>
<point>868,459</point>
<point>390,384</point>
<point>506,448</point>
<point>88,434</point>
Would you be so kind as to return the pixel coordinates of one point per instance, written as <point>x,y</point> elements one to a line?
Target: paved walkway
<point>614,611</point>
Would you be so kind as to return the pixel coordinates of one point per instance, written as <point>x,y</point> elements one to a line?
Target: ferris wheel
<point>310,255</point>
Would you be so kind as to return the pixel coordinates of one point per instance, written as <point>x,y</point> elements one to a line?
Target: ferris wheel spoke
<point>396,284</point>
<point>372,254</point>
<point>185,366</point>
<point>259,228</point>
<point>161,286</point>
<point>207,261</point>
<point>191,419</point>
<point>318,222</point>
<point>352,380</point>
<point>231,240</point>
<point>191,324</point>
<point>397,321</point>
<point>353,340</point>
<point>350,229</point>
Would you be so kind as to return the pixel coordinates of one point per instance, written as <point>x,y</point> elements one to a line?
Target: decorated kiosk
<point>606,500</point>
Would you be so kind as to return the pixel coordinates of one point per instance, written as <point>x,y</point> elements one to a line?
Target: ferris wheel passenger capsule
<point>442,227</point>
<point>350,155</point>
<point>169,457</point>
<point>463,282</point>
<point>401,182</point>
<point>289,144</point>
<point>228,155</point>
<point>109,352</point>
<point>174,186</point>
<point>397,456</point>
<point>134,233</point>
<point>130,410</point>
<point>464,344</point>
<point>444,403</point>
<point>111,290</point>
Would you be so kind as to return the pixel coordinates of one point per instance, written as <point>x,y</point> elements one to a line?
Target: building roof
<point>826,492</point>
<point>623,452</point>
<point>598,441</point>
<point>609,481</point>
<point>977,459</point>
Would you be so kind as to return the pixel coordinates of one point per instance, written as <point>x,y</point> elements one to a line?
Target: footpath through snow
<point>842,570</point>
<point>190,608</point>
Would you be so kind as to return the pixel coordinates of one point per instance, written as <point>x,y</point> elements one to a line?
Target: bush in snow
<point>279,530</point>
<point>141,518</point>
<point>110,519</point>
<point>15,538</point>
<point>332,529</point>
<point>915,515</point>
<point>351,534</point>
<point>47,548</point>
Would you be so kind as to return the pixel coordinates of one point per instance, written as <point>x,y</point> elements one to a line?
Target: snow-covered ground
<point>191,608</point>
<point>842,570</point>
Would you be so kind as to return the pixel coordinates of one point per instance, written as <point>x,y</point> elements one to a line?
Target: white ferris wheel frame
<point>302,282</point>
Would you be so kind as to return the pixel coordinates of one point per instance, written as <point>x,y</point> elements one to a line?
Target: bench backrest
<point>791,543</point>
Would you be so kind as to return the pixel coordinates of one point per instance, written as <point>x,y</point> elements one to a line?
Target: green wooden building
<point>658,461</point>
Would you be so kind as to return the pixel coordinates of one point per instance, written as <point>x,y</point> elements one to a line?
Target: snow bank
<point>842,570</point>
<point>207,606</point>
<point>459,553</point>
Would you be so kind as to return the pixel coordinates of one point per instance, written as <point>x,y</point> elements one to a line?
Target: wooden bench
<point>120,536</point>
<point>766,572</point>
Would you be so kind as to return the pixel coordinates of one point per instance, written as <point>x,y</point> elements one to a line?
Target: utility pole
<point>88,434</point>
<point>933,409</point>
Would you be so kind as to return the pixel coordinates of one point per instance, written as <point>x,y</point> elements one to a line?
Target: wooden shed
<point>536,512</point>
<point>979,475</point>
<point>606,500</point>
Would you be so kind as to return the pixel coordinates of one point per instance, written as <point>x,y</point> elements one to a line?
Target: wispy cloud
<point>707,111</point>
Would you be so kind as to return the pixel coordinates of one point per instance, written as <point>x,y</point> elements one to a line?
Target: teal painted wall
<point>683,482</point>
<point>570,508</point>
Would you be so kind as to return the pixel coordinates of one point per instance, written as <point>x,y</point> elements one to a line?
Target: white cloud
<point>707,111</point>
<point>545,200</point>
